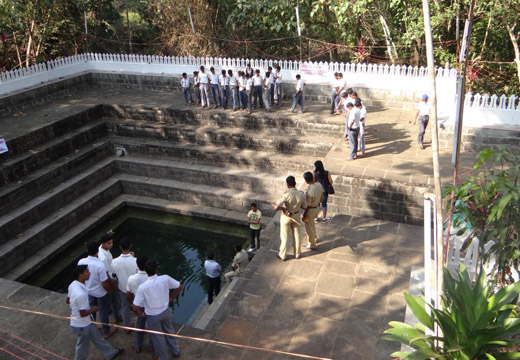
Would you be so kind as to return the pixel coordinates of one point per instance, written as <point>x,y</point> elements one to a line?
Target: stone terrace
<point>334,302</point>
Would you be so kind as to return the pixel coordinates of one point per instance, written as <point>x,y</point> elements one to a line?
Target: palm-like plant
<point>475,322</point>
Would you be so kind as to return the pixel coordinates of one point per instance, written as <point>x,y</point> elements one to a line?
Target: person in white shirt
<point>335,93</point>
<point>241,90</point>
<point>132,285</point>
<point>257,88</point>
<point>249,70</point>
<point>204,88</point>
<point>124,266</point>
<point>423,113</point>
<point>224,88</point>
<point>213,270</point>
<point>298,96</point>
<point>353,129</point>
<point>362,124</point>
<point>267,91</point>
<point>271,80</point>
<point>106,244</point>
<point>214,87</point>
<point>278,85</point>
<point>185,84</point>
<point>196,86</point>
<point>233,88</point>
<point>81,316</point>
<point>248,92</point>
<point>342,86</point>
<point>239,263</point>
<point>154,295</point>
<point>98,286</point>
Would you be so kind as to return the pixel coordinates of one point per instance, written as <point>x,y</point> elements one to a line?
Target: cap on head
<point>425,97</point>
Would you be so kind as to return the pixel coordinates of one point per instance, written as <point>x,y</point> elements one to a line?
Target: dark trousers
<point>298,100</point>
<point>257,94</point>
<point>242,97</point>
<point>213,287</point>
<point>255,238</point>
<point>225,96</point>
<point>197,94</point>
<point>186,92</point>
<point>353,142</point>
<point>103,303</point>
<point>272,94</point>
<point>423,123</point>
<point>215,93</point>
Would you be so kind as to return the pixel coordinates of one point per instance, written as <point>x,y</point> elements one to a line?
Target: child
<point>253,218</point>
<point>185,83</point>
<point>224,88</point>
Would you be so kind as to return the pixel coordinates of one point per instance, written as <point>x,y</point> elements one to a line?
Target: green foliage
<point>489,202</point>
<point>474,321</point>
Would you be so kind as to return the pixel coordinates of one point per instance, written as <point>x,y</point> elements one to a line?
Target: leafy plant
<point>475,322</point>
<point>489,202</point>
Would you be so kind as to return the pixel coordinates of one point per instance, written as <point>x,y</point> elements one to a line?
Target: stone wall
<point>477,139</point>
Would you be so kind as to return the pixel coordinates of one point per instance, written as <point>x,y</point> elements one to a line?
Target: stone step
<point>39,207</point>
<point>237,178</point>
<point>16,250</point>
<point>29,161</point>
<point>234,138</point>
<point>39,136</point>
<point>44,179</point>
<point>76,233</point>
<point>275,122</point>
<point>213,196</point>
<point>215,155</point>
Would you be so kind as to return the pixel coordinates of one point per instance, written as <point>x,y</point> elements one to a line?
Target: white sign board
<point>310,69</point>
<point>3,146</point>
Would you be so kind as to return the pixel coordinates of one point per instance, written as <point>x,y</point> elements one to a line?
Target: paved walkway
<point>333,302</point>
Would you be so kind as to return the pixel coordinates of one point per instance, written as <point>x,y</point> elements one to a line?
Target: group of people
<point>319,187</point>
<point>247,90</point>
<point>102,284</point>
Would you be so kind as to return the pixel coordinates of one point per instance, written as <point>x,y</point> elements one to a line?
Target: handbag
<point>330,189</point>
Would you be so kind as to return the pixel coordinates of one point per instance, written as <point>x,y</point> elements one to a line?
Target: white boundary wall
<point>480,111</point>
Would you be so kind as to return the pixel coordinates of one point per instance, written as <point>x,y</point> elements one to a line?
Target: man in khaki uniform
<point>314,196</point>
<point>240,262</point>
<point>290,203</point>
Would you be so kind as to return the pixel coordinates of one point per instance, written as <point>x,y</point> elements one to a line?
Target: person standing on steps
<point>362,124</point>
<point>224,88</point>
<point>335,93</point>
<point>98,287</point>
<point>124,266</point>
<point>185,83</point>
<point>154,295</point>
<point>248,93</point>
<point>290,204</point>
<point>322,177</point>
<point>204,88</point>
<point>81,317</point>
<point>278,85</point>
<point>267,91</point>
<point>106,244</point>
<point>423,114</point>
<point>239,263</point>
<point>213,271</point>
<point>196,87</point>
<point>254,216</point>
<point>314,196</point>
<point>233,88</point>
<point>353,129</point>
<point>257,89</point>
<point>213,77</point>
<point>298,95</point>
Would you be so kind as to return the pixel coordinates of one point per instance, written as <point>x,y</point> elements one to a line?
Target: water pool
<point>179,243</point>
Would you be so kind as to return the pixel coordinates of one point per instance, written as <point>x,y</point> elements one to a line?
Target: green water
<point>179,244</point>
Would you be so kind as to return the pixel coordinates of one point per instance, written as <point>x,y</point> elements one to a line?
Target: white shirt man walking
<point>154,296</point>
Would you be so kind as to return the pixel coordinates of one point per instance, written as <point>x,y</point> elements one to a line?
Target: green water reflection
<point>179,243</point>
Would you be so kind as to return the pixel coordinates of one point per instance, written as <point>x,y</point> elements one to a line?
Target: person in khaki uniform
<point>290,203</point>
<point>314,196</point>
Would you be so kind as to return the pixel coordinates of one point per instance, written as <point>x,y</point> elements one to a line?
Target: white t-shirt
<point>203,78</point>
<point>342,84</point>
<point>98,274</point>
<point>299,85</point>
<point>124,266</point>
<point>154,294</point>
<point>335,84</point>
<point>196,81</point>
<point>257,80</point>
<point>185,83</point>
<point>233,80</point>
<point>424,108</point>
<point>213,269</point>
<point>135,281</point>
<point>106,257</point>
<point>363,113</point>
<point>278,77</point>
<point>78,298</point>
<point>354,116</point>
<point>223,80</point>
<point>214,78</point>
<point>269,81</point>
<point>241,82</point>
<point>249,84</point>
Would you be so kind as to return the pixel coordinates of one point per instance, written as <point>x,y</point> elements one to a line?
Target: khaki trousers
<point>310,227</point>
<point>290,228</point>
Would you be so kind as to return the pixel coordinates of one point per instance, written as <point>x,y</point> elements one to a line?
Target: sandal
<point>112,331</point>
<point>118,352</point>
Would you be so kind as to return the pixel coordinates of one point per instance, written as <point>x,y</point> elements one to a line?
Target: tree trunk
<point>516,47</point>
<point>18,55</point>
<point>392,53</point>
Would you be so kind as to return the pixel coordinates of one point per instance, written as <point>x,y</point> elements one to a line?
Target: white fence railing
<point>479,111</point>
